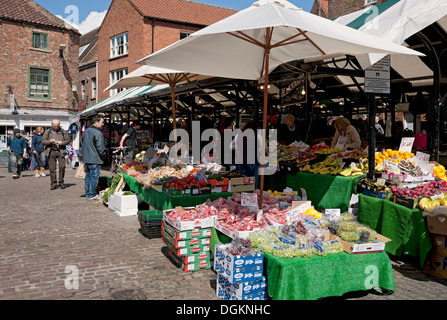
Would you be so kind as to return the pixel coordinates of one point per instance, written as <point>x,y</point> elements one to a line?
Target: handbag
<point>80,172</point>
<point>403,105</point>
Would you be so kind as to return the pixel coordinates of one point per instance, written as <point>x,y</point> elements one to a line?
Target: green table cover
<point>325,191</point>
<point>162,201</point>
<point>405,227</point>
<point>319,277</point>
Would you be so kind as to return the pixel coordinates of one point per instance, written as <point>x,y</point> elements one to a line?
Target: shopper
<point>55,140</point>
<point>343,128</point>
<point>17,151</point>
<point>93,154</point>
<point>38,151</point>
<point>129,140</point>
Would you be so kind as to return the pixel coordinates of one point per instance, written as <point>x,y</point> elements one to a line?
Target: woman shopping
<point>347,135</point>
<point>38,151</point>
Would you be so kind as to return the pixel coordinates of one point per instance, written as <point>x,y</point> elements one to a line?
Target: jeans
<point>40,159</point>
<point>92,172</point>
<point>16,161</point>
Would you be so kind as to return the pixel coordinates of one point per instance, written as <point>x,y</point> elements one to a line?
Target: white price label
<point>334,214</point>
<point>341,143</point>
<point>249,200</point>
<point>406,144</point>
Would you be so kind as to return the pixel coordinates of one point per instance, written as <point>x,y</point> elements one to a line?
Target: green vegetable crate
<point>150,222</point>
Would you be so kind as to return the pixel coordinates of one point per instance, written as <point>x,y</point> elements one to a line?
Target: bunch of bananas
<point>427,204</point>
<point>352,172</point>
<point>328,166</point>
<point>327,151</point>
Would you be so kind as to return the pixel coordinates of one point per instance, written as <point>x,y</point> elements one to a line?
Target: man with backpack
<point>55,140</point>
<point>17,151</point>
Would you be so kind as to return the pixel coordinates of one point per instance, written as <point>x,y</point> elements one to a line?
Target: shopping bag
<point>403,105</point>
<point>80,172</point>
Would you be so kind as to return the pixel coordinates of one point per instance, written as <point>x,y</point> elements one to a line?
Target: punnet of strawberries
<point>184,183</point>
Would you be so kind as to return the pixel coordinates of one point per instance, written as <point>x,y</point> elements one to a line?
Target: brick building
<point>332,9</point>
<point>88,69</point>
<point>133,29</point>
<point>37,83</point>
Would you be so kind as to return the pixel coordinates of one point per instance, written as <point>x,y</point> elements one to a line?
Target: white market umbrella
<point>254,41</point>
<point>149,75</point>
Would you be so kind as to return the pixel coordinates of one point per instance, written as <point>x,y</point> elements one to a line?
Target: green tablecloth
<point>162,201</point>
<point>325,191</point>
<point>319,277</point>
<point>405,227</point>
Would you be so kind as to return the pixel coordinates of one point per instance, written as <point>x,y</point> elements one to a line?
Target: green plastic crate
<point>150,215</point>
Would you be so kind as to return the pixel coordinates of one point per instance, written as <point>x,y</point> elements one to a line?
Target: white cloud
<point>93,21</point>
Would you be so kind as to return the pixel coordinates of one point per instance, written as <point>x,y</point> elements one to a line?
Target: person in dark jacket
<point>289,131</point>
<point>55,140</point>
<point>17,151</point>
<point>38,151</point>
<point>93,155</point>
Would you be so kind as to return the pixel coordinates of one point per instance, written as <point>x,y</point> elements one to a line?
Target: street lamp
<point>61,50</point>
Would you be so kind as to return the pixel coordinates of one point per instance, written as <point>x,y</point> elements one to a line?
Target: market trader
<point>55,140</point>
<point>343,128</point>
<point>93,155</point>
<point>131,137</point>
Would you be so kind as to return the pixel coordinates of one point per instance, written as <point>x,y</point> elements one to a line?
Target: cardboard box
<point>190,224</point>
<point>176,193</point>
<point>409,178</point>
<point>198,261</point>
<point>439,244</point>
<point>200,265</point>
<point>354,248</point>
<point>187,243</point>
<point>219,189</point>
<point>233,233</point>
<point>226,294</point>
<point>238,269</point>
<point>255,286</point>
<point>198,191</point>
<point>437,223</point>
<point>407,203</point>
<point>436,266</point>
<point>185,251</point>
<point>215,183</point>
<point>242,184</point>
<point>188,234</point>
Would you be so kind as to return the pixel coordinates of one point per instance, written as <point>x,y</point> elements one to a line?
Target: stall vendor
<point>343,128</point>
<point>288,132</point>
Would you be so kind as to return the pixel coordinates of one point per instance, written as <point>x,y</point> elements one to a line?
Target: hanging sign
<point>377,76</point>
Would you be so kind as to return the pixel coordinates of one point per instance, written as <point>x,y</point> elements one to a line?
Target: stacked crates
<point>188,249</point>
<point>239,277</point>
<point>150,223</point>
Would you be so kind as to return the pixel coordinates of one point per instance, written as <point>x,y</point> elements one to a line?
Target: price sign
<point>200,176</point>
<point>406,144</point>
<point>249,200</point>
<point>334,214</point>
<point>423,158</point>
<point>341,143</point>
<point>287,190</point>
<point>303,194</point>
<point>391,167</point>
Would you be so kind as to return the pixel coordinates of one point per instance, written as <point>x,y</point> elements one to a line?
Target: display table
<point>405,227</point>
<point>162,201</point>
<point>318,277</point>
<point>325,191</point>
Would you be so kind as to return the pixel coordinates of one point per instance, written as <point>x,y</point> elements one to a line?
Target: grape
<point>333,227</point>
<point>333,247</point>
<point>349,236</point>
<point>346,217</point>
<point>348,226</point>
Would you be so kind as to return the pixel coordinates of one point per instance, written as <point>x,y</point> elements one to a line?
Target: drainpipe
<point>153,28</point>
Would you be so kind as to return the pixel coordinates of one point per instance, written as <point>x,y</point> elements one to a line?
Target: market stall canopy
<point>119,98</point>
<point>235,47</point>
<point>397,21</point>
<point>255,41</point>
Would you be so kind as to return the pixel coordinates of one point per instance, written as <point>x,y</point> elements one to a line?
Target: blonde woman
<point>38,150</point>
<point>343,128</point>
<point>288,132</point>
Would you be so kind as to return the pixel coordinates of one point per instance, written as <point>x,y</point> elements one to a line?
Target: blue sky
<point>87,13</point>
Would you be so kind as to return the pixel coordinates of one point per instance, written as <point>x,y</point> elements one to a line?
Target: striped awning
<point>398,21</point>
<point>122,97</point>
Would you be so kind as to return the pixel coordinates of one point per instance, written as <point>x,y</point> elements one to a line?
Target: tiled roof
<point>182,11</point>
<point>28,11</point>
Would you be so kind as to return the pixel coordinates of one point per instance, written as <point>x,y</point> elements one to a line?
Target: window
<point>368,2</point>
<point>184,34</point>
<point>39,84</point>
<point>40,40</point>
<point>119,45</point>
<point>114,77</point>
<point>93,88</point>
<point>83,89</point>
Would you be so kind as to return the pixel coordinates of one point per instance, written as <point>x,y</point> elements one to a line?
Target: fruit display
<point>427,204</point>
<point>154,176</point>
<point>328,151</point>
<point>393,155</point>
<point>350,230</point>
<point>184,183</point>
<point>439,172</point>
<point>428,189</point>
<point>331,166</point>
<point>409,168</point>
<point>318,147</point>
<point>134,165</point>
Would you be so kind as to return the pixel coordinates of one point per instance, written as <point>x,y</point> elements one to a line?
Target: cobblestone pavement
<point>45,234</point>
